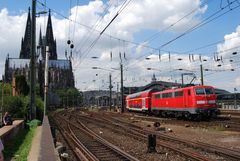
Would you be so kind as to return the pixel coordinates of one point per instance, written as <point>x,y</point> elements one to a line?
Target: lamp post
<point>33,62</point>
<point>110,89</point>
<point>235,98</point>
<point>122,95</point>
<point>46,81</point>
<point>201,69</point>
<point>2,99</point>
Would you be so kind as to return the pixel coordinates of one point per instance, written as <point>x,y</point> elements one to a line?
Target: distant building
<point>60,70</point>
<point>158,85</point>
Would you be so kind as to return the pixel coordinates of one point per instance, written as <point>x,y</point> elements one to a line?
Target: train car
<point>190,101</point>
<point>140,101</point>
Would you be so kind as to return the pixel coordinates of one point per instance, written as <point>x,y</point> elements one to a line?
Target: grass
<point>93,109</point>
<point>217,128</point>
<point>19,147</point>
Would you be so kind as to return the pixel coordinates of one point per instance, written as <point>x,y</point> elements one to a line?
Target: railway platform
<point>42,145</point>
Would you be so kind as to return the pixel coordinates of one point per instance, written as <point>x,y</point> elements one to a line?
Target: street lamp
<point>223,70</point>
<point>153,69</point>
<point>103,68</point>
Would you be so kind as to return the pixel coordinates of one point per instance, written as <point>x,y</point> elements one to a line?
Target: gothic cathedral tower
<point>25,51</point>
<point>48,40</point>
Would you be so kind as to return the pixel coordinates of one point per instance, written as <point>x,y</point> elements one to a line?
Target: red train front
<point>194,101</point>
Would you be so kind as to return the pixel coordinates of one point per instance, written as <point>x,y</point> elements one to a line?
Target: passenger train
<point>190,102</point>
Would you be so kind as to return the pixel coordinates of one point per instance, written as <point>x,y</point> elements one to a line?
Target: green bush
<point>39,108</point>
<point>14,105</point>
<point>34,123</point>
<point>19,106</point>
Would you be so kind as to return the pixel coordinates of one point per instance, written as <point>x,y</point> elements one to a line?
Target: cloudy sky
<point>170,37</point>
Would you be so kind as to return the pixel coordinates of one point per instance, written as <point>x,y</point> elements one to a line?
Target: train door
<point>187,98</point>
<point>143,103</point>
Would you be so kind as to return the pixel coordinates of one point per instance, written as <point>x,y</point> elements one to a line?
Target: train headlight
<point>201,102</point>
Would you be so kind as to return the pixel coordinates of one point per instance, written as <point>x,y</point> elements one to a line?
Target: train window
<point>209,91</point>
<point>157,96</point>
<point>178,94</point>
<point>164,95</point>
<point>167,95</point>
<point>200,91</point>
<point>189,92</point>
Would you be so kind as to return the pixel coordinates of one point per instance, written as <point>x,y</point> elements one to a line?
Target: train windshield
<point>204,91</point>
<point>209,91</point>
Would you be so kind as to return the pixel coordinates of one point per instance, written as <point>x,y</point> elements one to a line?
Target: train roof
<point>188,87</point>
<point>142,93</point>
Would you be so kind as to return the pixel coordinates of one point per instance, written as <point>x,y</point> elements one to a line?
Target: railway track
<point>223,123</point>
<point>143,137</point>
<point>133,129</point>
<point>89,146</point>
<point>229,153</point>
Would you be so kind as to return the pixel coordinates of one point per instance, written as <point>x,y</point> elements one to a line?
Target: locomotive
<point>192,102</point>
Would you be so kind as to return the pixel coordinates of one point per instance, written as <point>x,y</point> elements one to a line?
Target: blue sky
<point>137,22</point>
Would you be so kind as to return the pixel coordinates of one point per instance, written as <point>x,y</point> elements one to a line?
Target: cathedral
<point>60,70</point>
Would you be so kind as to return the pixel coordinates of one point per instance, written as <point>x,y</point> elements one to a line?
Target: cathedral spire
<point>50,39</point>
<point>26,43</point>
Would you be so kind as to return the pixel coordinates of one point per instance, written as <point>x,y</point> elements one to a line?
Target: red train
<point>189,102</point>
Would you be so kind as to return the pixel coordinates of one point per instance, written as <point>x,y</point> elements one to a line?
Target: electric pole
<point>33,62</point>
<point>201,68</point>
<point>182,80</point>
<point>2,99</point>
<point>117,96</point>
<point>46,81</point>
<point>110,89</point>
<point>122,96</point>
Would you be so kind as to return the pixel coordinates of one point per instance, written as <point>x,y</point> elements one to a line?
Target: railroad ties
<point>89,146</point>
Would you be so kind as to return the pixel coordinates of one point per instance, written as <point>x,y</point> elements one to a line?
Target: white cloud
<point>231,42</point>
<point>140,15</point>
<point>237,82</point>
<point>11,31</point>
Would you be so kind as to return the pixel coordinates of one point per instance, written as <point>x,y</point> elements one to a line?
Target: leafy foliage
<point>14,106</point>
<point>22,87</point>
<point>70,97</point>
<point>39,108</point>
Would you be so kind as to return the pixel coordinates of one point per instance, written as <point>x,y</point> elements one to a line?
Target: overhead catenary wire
<point>112,37</point>
<point>152,37</point>
<point>86,52</point>
<point>104,34</point>
<point>202,23</point>
<point>69,25</point>
<point>76,14</point>
<point>94,28</point>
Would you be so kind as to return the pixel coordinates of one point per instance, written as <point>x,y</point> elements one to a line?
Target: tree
<point>71,95</point>
<point>22,87</point>
<point>14,105</point>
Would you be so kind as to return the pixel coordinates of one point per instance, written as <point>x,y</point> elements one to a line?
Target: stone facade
<point>60,70</point>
